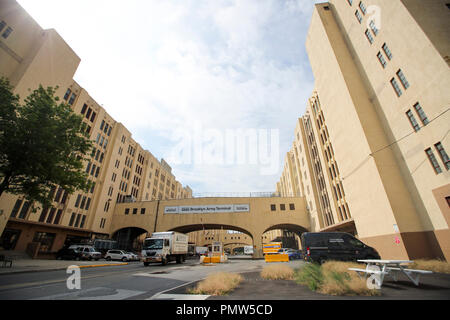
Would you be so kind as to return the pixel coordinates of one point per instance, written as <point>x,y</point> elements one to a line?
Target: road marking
<point>179,297</point>
<point>98,293</point>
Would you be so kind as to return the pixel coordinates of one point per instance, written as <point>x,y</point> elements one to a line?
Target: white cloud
<point>159,65</point>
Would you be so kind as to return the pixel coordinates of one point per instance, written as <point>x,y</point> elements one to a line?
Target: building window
<point>448,201</point>
<point>443,154</point>
<point>396,87</point>
<point>7,32</point>
<point>362,7</point>
<point>369,36</point>
<point>135,210</point>
<point>67,95</point>
<point>358,16</point>
<point>382,60</point>
<point>402,78</point>
<point>83,220</point>
<point>43,214</point>
<point>350,2</point>
<point>433,160</point>
<point>72,99</point>
<point>24,210</point>
<point>2,25</point>
<point>72,219</point>
<point>421,113</point>
<point>373,27</point>
<point>273,207</point>
<point>127,210</point>
<point>16,208</point>
<point>387,51</point>
<point>282,207</point>
<point>58,217</point>
<point>291,206</point>
<point>413,121</point>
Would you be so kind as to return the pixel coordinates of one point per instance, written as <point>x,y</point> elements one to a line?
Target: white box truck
<point>165,247</point>
<point>248,250</point>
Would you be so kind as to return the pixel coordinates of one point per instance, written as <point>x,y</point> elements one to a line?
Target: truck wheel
<point>146,264</point>
<point>163,261</point>
<point>179,260</point>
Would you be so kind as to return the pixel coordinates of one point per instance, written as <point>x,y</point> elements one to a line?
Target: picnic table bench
<point>391,268</point>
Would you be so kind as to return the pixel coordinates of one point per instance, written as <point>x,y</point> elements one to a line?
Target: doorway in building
<point>9,239</point>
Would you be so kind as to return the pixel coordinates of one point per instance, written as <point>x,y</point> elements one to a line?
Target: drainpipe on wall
<point>156,218</point>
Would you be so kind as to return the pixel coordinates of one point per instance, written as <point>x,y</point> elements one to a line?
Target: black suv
<point>322,246</point>
<point>69,254</point>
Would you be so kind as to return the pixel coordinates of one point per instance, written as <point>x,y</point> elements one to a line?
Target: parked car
<point>322,246</point>
<point>87,252</point>
<point>293,254</point>
<point>133,256</point>
<point>68,254</point>
<point>118,255</point>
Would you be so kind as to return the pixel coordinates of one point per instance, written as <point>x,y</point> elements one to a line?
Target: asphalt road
<point>132,281</point>
<point>104,283</point>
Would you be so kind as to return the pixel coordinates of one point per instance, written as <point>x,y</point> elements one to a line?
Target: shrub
<point>277,272</point>
<point>431,265</point>
<point>334,278</point>
<point>217,284</point>
<point>310,275</point>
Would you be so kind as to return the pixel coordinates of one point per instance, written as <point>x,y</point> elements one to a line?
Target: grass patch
<point>431,265</point>
<point>334,278</point>
<point>277,272</point>
<point>217,284</point>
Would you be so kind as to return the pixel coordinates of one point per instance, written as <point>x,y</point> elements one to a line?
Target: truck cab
<point>164,247</point>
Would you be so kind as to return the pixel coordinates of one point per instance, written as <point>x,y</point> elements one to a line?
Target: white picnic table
<point>392,268</point>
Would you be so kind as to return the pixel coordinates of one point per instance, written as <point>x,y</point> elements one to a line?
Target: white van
<point>87,252</point>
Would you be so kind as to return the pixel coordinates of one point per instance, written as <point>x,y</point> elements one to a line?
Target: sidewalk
<point>36,265</point>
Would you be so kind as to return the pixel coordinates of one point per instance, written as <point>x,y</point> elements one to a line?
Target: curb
<point>100,265</point>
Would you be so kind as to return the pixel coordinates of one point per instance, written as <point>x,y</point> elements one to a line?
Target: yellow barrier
<point>213,259</point>
<point>276,258</point>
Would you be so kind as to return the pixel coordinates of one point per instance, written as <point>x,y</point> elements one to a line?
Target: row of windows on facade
<point>135,211</point>
<point>443,155</point>
<point>417,107</point>
<point>273,207</point>
<point>77,220</point>
<point>386,50</point>
<point>5,32</point>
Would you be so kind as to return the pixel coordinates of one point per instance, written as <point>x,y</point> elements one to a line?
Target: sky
<point>212,86</point>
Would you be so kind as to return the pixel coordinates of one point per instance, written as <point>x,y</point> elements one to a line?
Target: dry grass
<point>217,284</point>
<point>277,272</point>
<point>431,265</point>
<point>334,278</point>
<point>338,280</point>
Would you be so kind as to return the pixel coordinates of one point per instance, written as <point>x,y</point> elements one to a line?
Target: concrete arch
<point>126,237</point>
<point>200,227</point>
<point>129,227</point>
<point>288,226</point>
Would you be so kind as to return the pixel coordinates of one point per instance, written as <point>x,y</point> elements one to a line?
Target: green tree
<point>43,143</point>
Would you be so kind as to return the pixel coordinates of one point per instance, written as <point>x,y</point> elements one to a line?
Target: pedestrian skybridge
<point>253,216</point>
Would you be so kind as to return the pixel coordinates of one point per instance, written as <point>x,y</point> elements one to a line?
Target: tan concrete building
<point>376,128</point>
<point>120,168</point>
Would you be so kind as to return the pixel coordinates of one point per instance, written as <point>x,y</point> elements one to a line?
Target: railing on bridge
<point>220,195</point>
